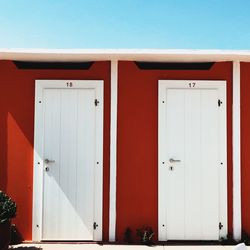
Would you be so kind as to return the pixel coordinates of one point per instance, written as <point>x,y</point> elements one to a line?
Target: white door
<point>70,137</point>
<point>192,160</point>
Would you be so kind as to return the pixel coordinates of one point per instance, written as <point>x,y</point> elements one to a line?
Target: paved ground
<point>117,247</point>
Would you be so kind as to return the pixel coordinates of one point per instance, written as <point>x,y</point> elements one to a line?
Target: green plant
<point>146,235</point>
<point>7,208</point>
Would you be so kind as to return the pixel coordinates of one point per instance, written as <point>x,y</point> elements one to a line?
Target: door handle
<point>47,161</point>
<point>171,160</point>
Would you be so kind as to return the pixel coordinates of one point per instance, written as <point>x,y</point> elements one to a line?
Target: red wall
<point>17,134</point>
<point>137,138</point>
<point>137,141</point>
<point>245,146</point>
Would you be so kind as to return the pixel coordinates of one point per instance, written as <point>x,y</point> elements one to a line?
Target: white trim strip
<point>76,55</point>
<point>236,153</point>
<point>113,143</point>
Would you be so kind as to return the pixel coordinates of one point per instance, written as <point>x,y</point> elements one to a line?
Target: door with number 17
<point>192,160</point>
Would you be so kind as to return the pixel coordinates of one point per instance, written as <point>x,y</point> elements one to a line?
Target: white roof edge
<point>76,55</point>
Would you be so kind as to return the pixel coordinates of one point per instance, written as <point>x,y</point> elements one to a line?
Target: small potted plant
<point>7,212</point>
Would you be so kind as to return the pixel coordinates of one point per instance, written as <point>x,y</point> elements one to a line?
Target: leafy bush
<point>7,208</point>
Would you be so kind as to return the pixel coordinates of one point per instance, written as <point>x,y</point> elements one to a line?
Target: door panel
<point>189,190</point>
<point>192,169</point>
<point>51,189</point>
<point>69,139</point>
<point>210,162</point>
<point>175,121</point>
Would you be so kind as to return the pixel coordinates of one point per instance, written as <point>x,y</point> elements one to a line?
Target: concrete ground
<point>54,246</point>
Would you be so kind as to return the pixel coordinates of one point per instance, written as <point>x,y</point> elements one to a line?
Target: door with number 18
<point>68,144</point>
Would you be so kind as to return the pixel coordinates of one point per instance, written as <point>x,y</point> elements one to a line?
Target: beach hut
<point>97,143</point>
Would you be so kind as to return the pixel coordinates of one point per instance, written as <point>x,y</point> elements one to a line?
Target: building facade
<point>94,142</point>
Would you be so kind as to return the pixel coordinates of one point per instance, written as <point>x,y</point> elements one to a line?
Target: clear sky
<point>159,24</point>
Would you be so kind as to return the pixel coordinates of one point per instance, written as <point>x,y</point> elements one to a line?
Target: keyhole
<point>171,168</point>
<point>47,169</point>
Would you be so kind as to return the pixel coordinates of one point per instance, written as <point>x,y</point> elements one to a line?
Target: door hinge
<point>220,226</point>
<point>96,102</point>
<point>219,102</point>
<point>95,225</point>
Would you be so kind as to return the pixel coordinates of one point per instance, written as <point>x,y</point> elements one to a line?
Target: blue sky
<point>159,24</point>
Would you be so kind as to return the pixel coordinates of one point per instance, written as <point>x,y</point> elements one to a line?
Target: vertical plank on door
<point>52,118</point>
<point>85,162</point>
<point>68,137</point>
<point>210,164</point>
<point>175,149</point>
<point>192,165</point>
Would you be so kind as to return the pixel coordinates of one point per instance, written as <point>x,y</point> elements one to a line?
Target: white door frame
<point>191,84</point>
<point>39,144</point>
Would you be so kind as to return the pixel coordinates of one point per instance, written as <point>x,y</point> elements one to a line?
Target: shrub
<point>7,208</point>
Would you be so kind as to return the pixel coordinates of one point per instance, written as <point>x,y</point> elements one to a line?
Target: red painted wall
<point>17,134</point>
<point>245,146</point>
<point>137,141</point>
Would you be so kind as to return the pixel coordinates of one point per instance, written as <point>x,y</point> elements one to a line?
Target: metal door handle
<point>171,160</point>
<point>47,161</point>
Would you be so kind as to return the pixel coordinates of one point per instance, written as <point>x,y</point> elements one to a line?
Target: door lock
<point>171,168</point>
